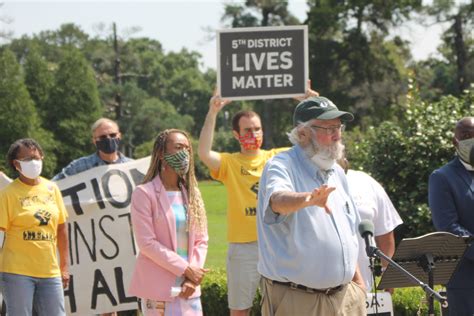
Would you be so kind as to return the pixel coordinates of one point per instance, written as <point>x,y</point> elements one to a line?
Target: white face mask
<point>31,169</point>
<point>465,150</point>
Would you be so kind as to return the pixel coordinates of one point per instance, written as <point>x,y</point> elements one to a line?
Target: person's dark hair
<point>238,115</point>
<point>15,148</point>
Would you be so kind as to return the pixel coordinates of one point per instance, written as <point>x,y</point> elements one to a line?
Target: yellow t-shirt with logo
<point>240,174</point>
<point>30,216</point>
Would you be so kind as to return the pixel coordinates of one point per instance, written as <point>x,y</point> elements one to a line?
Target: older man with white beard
<point>307,222</point>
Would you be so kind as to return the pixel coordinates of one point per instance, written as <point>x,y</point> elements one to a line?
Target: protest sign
<point>102,249</point>
<point>262,62</point>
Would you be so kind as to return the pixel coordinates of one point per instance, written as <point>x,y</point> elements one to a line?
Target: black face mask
<point>108,145</point>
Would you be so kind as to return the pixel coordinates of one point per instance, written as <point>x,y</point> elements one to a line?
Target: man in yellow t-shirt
<point>240,172</point>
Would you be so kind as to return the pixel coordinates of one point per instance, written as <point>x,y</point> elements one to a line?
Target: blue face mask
<point>108,145</point>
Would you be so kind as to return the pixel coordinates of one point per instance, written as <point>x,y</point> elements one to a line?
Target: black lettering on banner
<point>122,296</point>
<point>109,238</point>
<point>101,287</point>
<point>69,293</point>
<point>108,195</point>
<point>72,191</point>
<point>98,195</point>
<point>129,218</point>
<point>92,251</point>
<point>137,176</point>
<point>250,211</point>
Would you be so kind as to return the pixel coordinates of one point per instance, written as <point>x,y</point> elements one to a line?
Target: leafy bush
<point>402,155</point>
<point>214,295</point>
<point>412,301</point>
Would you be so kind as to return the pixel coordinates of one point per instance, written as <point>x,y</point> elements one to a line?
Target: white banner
<point>380,305</point>
<point>102,249</point>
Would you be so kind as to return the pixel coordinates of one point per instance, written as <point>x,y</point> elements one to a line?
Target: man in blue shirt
<point>307,222</point>
<point>106,138</point>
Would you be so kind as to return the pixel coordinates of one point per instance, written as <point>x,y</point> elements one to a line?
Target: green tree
<point>19,118</point>
<point>67,35</point>
<point>458,39</point>
<point>401,155</point>
<point>352,61</point>
<point>154,116</point>
<point>453,71</point>
<point>38,80</point>
<point>259,13</point>
<point>73,106</point>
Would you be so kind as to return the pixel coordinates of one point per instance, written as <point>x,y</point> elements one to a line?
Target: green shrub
<point>411,301</point>
<point>214,295</point>
<point>401,155</point>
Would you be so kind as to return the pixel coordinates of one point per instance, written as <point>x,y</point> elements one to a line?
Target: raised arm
<point>210,158</point>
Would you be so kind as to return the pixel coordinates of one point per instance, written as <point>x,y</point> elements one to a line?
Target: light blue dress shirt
<point>309,247</point>
<point>85,163</point>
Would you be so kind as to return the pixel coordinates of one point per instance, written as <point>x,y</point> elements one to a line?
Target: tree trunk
<point>460,50</point>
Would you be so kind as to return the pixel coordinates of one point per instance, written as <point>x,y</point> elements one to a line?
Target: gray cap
<point>320,108</point>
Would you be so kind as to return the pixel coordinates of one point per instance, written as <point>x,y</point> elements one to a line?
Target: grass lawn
<point>215,199</point>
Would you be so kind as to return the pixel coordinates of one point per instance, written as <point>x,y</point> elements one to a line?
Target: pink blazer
<point>154,226</point>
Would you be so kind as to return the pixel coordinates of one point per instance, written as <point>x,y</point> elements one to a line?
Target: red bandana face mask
<point>251,141</point>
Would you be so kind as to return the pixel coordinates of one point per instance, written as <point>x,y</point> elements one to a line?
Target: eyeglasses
<point>27,159</point>
<point>330,130</point>
<point>105,136</point>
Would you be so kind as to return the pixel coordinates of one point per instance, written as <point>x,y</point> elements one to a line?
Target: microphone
<point>366,231</point>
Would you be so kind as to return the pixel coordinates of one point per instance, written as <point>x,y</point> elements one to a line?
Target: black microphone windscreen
<point>366,226</point>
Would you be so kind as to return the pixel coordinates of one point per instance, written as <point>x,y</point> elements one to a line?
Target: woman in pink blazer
<point>169,223</point>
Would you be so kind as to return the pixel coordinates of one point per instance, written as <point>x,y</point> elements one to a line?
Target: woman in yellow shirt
<point>33,216</point>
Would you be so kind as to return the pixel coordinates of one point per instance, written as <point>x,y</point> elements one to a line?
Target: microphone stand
<point>431,294</point>
<point>372,269</point>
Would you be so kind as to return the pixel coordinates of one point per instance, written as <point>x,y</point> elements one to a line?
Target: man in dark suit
<point>451,200</point>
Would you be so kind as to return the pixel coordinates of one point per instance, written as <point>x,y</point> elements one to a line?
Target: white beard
<point>324,157</point>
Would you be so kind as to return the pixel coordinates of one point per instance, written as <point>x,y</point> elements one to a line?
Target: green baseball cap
<point>320,108</point>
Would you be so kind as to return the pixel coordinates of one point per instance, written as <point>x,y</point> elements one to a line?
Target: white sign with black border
<point>262,62</point>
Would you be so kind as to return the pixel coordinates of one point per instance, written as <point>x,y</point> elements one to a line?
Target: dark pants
<point>461,302</point>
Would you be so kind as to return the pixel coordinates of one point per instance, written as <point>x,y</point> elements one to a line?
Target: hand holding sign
<point>309,93</point>
<point>65,277</point>
<point>217,103</point>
